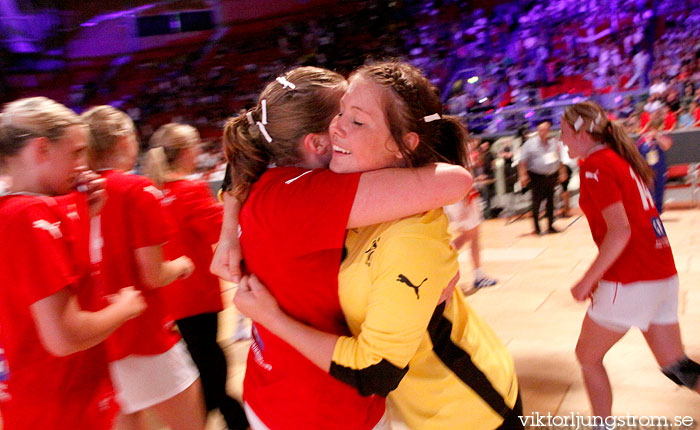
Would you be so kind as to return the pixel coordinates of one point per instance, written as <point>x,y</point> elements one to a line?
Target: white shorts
<point>464,216</point>
<point>142,381</point>
<point>619,307</point>
<point>256,423</point>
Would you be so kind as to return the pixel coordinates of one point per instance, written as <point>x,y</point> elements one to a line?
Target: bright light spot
<point>473,80</point>
<point>483,100</point>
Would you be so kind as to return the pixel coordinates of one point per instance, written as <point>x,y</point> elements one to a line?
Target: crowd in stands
<point>515,55</point>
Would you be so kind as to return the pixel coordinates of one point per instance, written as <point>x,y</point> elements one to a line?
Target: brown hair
<point>107,125</point>
<point>408,99</point>
<point>291,115</point>
<point>25,119</point>
<point>166,145</point>
<point>611,133</point>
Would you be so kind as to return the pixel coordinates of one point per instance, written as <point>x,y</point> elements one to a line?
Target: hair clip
<point>285,83</point>
<point>264,111</point>
<point>249,115</point>
<point>578,123</point>
<point>431,118</point>
<point>264,132</point>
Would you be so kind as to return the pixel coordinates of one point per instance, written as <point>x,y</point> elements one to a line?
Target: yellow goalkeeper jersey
<point>441,365</point>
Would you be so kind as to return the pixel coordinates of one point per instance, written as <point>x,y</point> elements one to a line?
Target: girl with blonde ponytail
<point>633,281</point>
<point>194,302</point>
<point>149,364</point>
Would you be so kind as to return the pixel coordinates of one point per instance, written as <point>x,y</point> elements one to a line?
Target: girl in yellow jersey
<point>412,339</point>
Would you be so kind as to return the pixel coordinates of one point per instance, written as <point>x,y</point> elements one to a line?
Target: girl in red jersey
<point>633,281</point>
<point>150,366</point>
<point>54,369</point>
<point>293,226</point>
<point>196,301</point>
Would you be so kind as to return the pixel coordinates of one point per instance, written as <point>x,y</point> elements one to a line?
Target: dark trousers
<point>199,333</point>
<point>542,187</point>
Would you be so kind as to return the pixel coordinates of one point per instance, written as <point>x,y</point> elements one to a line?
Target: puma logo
<point>371,250</point>
<point>406,281</point>
<point>154,191</point>
<point>592,175</point>
<point>52,228</point>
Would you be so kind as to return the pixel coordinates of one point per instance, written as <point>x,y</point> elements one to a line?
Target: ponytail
<point>453,141</point>
<point>156,167</point>
<point>616,137</point>
<point>167,143</point>
<point>246,155</point>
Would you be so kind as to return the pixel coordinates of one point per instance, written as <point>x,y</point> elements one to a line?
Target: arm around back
<point>389,194</point>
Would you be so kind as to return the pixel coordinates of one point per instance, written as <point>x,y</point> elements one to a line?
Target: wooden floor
<point>532,311</point>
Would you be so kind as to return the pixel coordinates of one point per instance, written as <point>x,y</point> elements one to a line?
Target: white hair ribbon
<point>590,129</point>
<point>285,83</point>
<point>263,130</point>
<point>597,118</point>
<point>431,118</point>
<point>578,123</point>
<point>264,111</point>
<point>249,115</point>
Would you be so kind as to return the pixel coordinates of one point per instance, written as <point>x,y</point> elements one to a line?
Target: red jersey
<point>133,218</point>
<point>197,217</point>
<point>606,179</point>
<point>45,251</point>
<point>292,232</point>
<point>670,121</point>
<point>644,119</point>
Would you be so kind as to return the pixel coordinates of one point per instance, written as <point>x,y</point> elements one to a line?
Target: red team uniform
<point>606,179</point>
<point>293,228</point>
<point>133,218</point>
<point>45,251</point>
<point>191,206</point>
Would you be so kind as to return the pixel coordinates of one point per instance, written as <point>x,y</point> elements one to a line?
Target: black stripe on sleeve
<point>461,364</point>
<point>380,378</point>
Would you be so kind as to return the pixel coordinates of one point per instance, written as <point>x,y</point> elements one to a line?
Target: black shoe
<point>552,230</point>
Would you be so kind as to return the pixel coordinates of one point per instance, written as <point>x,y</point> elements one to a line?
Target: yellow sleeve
<point>408,276</point>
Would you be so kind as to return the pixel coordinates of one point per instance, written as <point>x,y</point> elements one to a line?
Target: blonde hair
<point>593,120</point>
<point>106,125</point>
<point>291,114</point>
<point>167,144</point>
<point>24,119</point>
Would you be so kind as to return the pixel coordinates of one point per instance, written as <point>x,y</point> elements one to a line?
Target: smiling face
<point>360,132</point>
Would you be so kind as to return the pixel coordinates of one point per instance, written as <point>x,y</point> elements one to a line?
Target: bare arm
<point>522,174</point>
<point>256,302</point>
<point>382,195</point>
<point>64,328</point>
<point>157,273</point>
<point>226,263</point>
<point>614,242</point>
<point>664,141</point>
<point>389,194</point>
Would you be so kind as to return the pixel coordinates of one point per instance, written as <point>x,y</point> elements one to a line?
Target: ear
<point>411,140</point>
<point>316,144</point>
